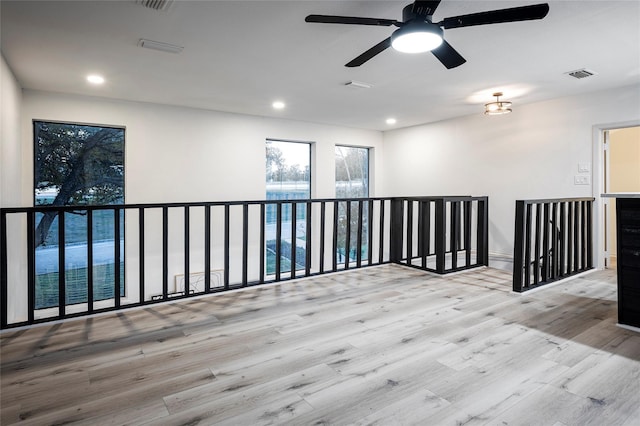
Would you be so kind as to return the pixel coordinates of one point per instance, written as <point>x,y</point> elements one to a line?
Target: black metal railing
<point>553,240</point>
<point>440,234</point>
<point>105,258</point>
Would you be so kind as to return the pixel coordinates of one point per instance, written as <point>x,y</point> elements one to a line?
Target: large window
<point>288,178</point>
<point>352,181</point>
<point>77,165</point>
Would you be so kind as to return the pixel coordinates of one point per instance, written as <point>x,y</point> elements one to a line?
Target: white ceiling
<point>240,56</point>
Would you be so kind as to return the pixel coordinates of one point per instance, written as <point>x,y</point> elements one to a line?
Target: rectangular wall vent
<point>155,4</point>
<point>196,281</point>
<point>581,73</point>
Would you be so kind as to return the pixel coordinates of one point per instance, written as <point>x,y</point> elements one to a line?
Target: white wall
<point>176,154</point>
<point>10,142</point>
<point>532,153</point>
<point>11,156</point>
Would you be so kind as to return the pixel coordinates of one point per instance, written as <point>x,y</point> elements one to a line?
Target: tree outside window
<point>288,177</point>
<point>77,165</point>
<point>352,181</point>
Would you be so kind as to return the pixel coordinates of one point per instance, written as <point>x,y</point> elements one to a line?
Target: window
<point>352,181</point>
<point>352,172</point>
<point>77,165</point>
<point>288,178</point>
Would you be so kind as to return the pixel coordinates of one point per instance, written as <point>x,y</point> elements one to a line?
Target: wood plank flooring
<point>387,345</point>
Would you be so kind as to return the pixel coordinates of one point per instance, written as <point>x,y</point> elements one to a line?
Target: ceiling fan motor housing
<point>409,13</point>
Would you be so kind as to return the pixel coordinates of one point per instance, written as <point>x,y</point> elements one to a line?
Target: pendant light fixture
<point>498,107</point>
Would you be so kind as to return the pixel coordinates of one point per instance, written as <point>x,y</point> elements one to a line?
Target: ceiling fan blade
<point>378,48</point>
<point>331,19</point>
<point>449,56</point>
<point>425,8</point>
<point>522,13</point>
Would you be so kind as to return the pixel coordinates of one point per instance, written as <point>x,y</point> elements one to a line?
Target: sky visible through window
<point>288,177</point>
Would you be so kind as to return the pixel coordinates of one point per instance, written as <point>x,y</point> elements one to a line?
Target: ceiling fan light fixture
<point>417,37</point>
<point>497,107</point>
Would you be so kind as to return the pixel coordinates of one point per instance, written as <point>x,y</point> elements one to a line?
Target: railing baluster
<point>426,232</point>
<point>187,243</point>
<point>294,242</point>
<point>577,221</point>
<point>262,241</point>
<point>359,236</point>
<point>370,232</point>
<point>62,299</point>
<point>335,236</point>
<point>555,246</point>
<point>589,207</point>
<point>396,230</point>
<point>278,238</point>
<point>545,243</point>
<point>483,232</point>
<point>467,233</point>
<point>245,243</point>
<point>536,259</point>
<point>409,235</point>
<point>165,253</point>
<point>420,231</point>
<point>31,266</point>
<point>518,247</point>
<point>90,260</point>
<point>4,274</point>
<point>381,243</point>
<point>322,235</point>
<point>570,239</point>
<point>117,256</point>
<point>454,233</point>
<point>583,235</point>
<point>141,288</point>
<point>440,234</point>
<point>308,240</point>
<point>347,237</point>
<point>527,247</point>
<point>563,238</point>
<point>207,248</point>
<point>226,246</point>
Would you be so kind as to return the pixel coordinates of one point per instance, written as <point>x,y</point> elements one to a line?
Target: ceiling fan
<point>418,33</point>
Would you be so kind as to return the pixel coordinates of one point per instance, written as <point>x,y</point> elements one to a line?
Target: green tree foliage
<point>84,165</point>
<point>352,170</point>
<point>279,170</point>
<point>352,181</point>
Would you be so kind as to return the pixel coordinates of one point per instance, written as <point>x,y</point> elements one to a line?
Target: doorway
<point>621,173</point>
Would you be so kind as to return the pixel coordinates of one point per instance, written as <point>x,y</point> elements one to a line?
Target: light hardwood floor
<point>383,345</point>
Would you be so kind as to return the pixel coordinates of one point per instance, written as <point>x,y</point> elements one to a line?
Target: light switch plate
<point>581,180</point>
<point>584,167</point>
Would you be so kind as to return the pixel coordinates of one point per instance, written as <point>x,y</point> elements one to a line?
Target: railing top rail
<point>446,198</point>
<point>74,208</point>
<point>556,200</point>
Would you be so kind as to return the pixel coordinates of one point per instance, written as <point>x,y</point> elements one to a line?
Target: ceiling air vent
<point>155,4</point>
<point>581,73</point>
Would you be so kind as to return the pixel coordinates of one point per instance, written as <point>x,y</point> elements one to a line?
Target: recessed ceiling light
<point>95,79</point>
<point>278,105</point>
<point>391,121</point>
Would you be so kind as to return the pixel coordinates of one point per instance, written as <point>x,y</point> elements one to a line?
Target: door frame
<point>598,176</point>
